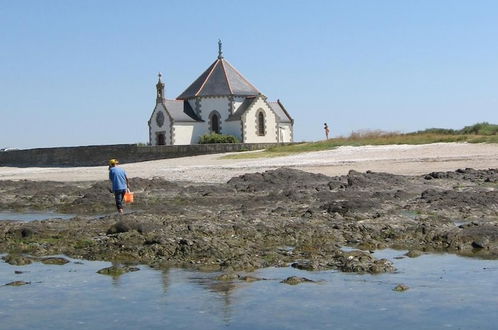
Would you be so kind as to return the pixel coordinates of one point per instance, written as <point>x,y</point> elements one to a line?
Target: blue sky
<point>84,72</point>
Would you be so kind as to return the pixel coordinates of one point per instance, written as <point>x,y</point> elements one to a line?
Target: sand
<point>396,159</point>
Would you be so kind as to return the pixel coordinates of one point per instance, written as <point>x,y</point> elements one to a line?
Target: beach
<point>228,213</point>
<point>342,230</point>
<point>395,159</point>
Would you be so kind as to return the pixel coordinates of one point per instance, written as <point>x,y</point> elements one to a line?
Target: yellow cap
<point>113,162</point>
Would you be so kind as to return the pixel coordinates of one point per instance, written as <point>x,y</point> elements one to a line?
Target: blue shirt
<point>118,177</point>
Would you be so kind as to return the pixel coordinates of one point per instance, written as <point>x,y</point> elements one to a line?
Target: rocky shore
<point>276,218</point>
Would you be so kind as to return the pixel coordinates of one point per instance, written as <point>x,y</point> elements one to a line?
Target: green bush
<point>218,138</point>
<point>483,128</point>
<point>443,131</point>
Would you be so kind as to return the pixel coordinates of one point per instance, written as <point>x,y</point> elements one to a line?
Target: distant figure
<point>327,130</point>
<point>119,183</point>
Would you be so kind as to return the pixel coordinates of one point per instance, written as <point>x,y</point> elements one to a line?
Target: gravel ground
<point>396,159</point>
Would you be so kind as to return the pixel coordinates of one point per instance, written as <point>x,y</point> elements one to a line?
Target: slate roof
<point>220,79</point>
<point>279,109</point>
<point>181,111</point>
<point>242,108</point>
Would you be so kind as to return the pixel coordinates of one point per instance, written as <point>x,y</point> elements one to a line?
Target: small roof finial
<point>220,52</point>
<point>159,74</point>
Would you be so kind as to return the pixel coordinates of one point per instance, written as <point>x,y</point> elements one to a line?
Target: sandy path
<point>398,159</point>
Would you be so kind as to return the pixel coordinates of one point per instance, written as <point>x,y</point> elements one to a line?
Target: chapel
<point>220,100</point>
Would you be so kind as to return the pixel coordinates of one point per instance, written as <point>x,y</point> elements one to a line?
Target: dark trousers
<point>119,195</point>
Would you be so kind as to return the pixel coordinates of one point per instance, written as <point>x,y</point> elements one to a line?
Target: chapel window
<point>215,123</point>
<point>261,123</point>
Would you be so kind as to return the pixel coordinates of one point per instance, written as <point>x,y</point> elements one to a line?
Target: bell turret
<point>160,89</point>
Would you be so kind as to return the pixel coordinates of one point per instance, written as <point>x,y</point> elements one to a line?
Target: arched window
<point>261,123</point>
<point>214,120</point>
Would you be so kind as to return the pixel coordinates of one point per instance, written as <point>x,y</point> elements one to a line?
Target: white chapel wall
<point>182,133</point>
<point>250,124</point>
<point>237,102</point>
<point>233,128</point>
<point>285,132</point>
<point>188,133</point>
<point>209,104</point>
<point>222,106</point>
<point>154,128</point>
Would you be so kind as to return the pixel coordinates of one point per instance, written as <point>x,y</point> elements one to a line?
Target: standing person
<point>119,183</point>
<point>327,130</point>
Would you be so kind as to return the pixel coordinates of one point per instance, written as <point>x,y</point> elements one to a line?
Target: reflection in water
<point>165,279</point>
<point>444,291</point>
<point>224,288</point>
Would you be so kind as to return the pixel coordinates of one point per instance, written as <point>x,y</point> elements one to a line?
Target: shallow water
<point>446,291</point>
<point>32,216</point>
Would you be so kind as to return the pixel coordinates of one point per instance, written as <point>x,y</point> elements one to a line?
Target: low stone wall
<point>126,153</point>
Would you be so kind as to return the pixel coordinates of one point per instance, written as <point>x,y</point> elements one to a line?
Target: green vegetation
<point>218,138</point>
<point>477,133</point>
<point>483,128</point>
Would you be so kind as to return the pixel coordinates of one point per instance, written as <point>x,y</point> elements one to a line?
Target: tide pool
<point>445,291</point>
<point>32,216</point>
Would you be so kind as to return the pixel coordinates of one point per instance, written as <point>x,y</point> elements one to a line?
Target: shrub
<point>443,131</point>
<point>218,138</point>
<point>483,128</point>
<point>371,134</point>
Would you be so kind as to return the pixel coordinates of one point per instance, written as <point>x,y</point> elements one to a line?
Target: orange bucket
<point>128,197</point>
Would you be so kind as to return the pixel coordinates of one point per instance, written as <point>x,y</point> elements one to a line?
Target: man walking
<point>119,183</point>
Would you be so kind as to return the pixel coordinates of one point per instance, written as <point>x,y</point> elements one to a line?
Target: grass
<point>486,133</point>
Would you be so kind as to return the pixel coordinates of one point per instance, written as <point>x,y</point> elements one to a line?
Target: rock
<point>381,266</point>
<point>346,207</point>
<point>294,280</point>
<point>17,283</point>
<point>400,288</point>
<point>227,277</point>
<point>17,260</point>
<point>413,253</point>
<point>117,270</point>
<point>307,265</point>
<point>480,244</point>
<point>308,213</point>
<point>279,179</point>
<point>249,278</point>
<point>240,225</point>
<point>360,262</point>
<point>23,232</point>
<point>54,261</point>
<point>124,226</point>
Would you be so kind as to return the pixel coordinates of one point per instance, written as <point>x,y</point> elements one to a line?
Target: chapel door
<point>161,139</point>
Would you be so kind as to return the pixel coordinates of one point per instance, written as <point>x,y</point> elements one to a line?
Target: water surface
<point>446,291</point>
<point>32,216</point>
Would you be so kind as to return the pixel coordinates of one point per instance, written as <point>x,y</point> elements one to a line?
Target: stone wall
<point>126,153</point>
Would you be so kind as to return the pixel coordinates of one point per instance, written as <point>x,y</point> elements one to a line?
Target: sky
<point>84,72</point>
